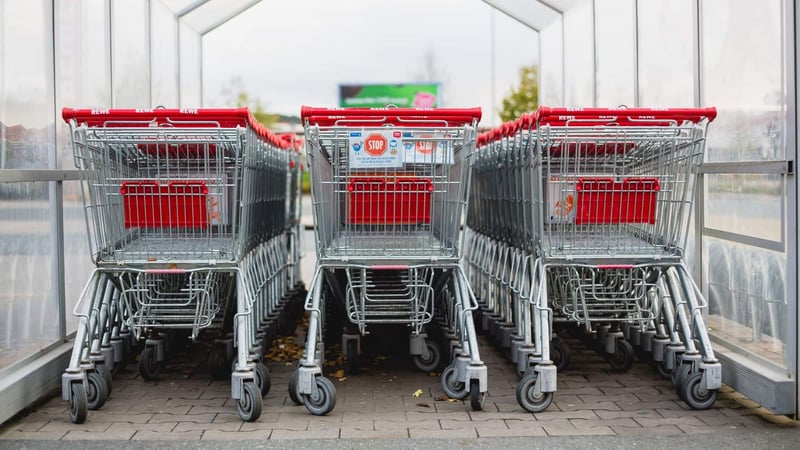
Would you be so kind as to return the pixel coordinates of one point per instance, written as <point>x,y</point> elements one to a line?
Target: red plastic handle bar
<point>183,117</point>
<point>623,116</point>
<point>396,116</point>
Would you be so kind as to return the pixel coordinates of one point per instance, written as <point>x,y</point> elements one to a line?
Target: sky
<point>291,53</point>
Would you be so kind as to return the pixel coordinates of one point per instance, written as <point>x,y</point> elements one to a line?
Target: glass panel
<point>76,249</point>
<point>131,58</point>
<point>164,55</point>
<point>83,71</point>
<point>211,13</point>
<point>551,66</point>
<point>579,56</point>
<point>750,96</point>
<point>747,298</point>
<point>28,317</point>
<point>191,49</point>
<point>614,34</point>
<point>666,76</point>
<point>745,204</point>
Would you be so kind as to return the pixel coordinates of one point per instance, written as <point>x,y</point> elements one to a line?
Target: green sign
<point>414,95</point>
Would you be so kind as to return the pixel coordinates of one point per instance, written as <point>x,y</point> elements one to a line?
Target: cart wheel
<point>293,394</point>
<point>78,404</point>
<point>96,390</point>
<point>476,397</point>
<point>560,354</point>
<point>622,358</point>
<point>679,377</point>
<point>352,356</point>
<point>528,398</point>
<point>149,366</point>
<point>249,406</point>
<point>324,400</point>
<point>433,360</point>
<point>263,379</point>
<point>119,366</point>
<point>696,395</point>
<point>642,355</point>
<point>102,369</point>
<point>451,386</point>
<point>218,364</point>
<point>662,370</point>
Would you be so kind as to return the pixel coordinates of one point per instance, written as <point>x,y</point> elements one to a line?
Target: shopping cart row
<point>193,224</point>
<point>565,220</point>
<point>578,221</point>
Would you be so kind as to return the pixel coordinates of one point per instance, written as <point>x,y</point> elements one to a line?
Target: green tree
<point>523,98</point>
<point>239,98</point>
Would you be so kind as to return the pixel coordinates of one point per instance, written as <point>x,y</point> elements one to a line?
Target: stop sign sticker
<point>375,144</point>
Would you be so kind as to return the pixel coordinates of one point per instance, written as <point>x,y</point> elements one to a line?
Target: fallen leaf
<point>424,405</point>
<point>343,379</point>
<point>338,374</point>
<point>443,398</point>
<point>417,393</point>
<point>452,400</point>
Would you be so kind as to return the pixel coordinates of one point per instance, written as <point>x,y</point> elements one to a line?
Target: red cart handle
<point>395,116</point>
<point>622,116</point>
<point>183,117</point>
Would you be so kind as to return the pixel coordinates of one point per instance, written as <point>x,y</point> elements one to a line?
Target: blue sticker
<point>355,134</point>
<point>408,134</point>
<point>356,146</point>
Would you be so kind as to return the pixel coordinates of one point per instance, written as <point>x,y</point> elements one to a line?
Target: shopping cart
<point>388,188</point>
<point>598,239</point>
<point>186,224</point>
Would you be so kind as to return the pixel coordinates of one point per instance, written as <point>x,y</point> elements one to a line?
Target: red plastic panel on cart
<point>402,200</point>
<point>605,201</point>
<point>179,204</point>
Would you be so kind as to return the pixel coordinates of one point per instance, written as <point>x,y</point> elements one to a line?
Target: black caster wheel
<point>78,404</point>
<point>250,404</point>
<point>528,398</point>
<point>451,386</point>
<point>102,369</point>
<point>149,367</point>
<point>352,356</point>
<point>218,364</point>
<point>296,398</point>
<point>477,399</point>
<point>433,360</point>
<point>262,378</point>
<point>622,358</point>
<point>323,400</point>
<point>696,395</point>
<point>96,391</point>
<point>560,354</point>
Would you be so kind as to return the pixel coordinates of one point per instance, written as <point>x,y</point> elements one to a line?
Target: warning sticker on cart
<point>375,149</point>
<point>427,148</point>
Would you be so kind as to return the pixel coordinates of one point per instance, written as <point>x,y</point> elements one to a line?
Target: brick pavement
<point>185,404</point>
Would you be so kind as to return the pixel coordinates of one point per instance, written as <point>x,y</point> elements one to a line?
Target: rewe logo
<point>375,144</point>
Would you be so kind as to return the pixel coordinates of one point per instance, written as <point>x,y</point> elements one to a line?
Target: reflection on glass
<point>164,55</point>
<point>28,317</point>
<point>579,56</point>
<point>191,61</point>
<point>614,34</point>
<point>131,62</point>
<point>551,68</point>
<point>747,300</point>
<point>745,204</point>
<point>666,42</point>
<point>749,96</point>
<point>76,249</point>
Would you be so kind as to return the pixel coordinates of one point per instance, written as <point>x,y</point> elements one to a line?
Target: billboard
<point>409,95</point>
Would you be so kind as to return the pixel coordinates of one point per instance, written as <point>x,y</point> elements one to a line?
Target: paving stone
<point>226,426</point>
<point>691,413</point>
<point>576,414</point>
<point>647,431</point>
<point>627,398</point>
<point>620,422</point>
<point>144,435</point>
<point>652,405</point>
<point>687,420</point>
<point>390,416</point>
<point>102,416</point>
<point>33,435</point>
<point>215,435</point>
<point>108,435</point>
<point>22,426</point>
<point>382,425</point>
<point>417,433</point>
<point>311,434</point>
<point>433,415</point>
<point>565,431</point>
<point>164,409</point>
<point>210,402</point>
<point>703,428</point>
<point>196,418</point>
<point>164,427</point>
<point>373,434</point>
<point>609,406</point>
<point>468,424</point>
<point>533,430</point>
<point>643,413</point>
<point>478,416</point>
